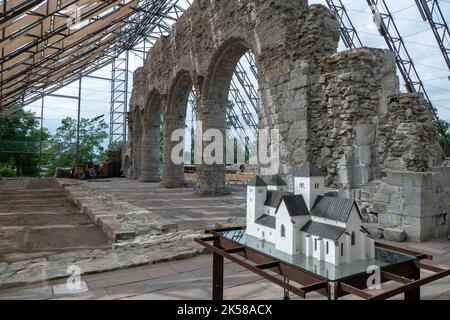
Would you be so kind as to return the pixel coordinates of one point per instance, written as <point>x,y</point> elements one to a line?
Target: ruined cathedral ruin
<point>342,112</point>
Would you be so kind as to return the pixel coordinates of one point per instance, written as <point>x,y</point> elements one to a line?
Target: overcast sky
<point>419,39</point>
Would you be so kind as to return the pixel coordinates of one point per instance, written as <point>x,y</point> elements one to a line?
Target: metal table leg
<point>217,290</point>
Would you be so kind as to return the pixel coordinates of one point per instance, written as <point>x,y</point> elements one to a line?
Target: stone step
<point>31,220</point>
<point>32,193</point>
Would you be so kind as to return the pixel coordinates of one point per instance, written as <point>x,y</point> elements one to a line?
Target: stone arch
<point>213,107</point>
<point>174,118</point>
<point>290,41</point>
<point>151,138</point>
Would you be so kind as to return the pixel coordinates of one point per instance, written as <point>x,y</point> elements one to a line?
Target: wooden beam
<point>428,267</point>
<point>410,286</point>
<point>355,291</point>
<point>395,277</point>
<point>85,32</point>
<point>315,286</point>
<point>60,54</point>
<point>268,265</point>
<point>13,45</point>
<point>252,268</point>
<point>14,77</point>
<point>235,250</point>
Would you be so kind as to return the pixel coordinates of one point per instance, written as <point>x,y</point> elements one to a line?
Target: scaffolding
<point>140,32</point>
<point>348,32</point>
<point>430,11</point>
<point>47,53</point>
<point>388,29</point>
<point>119,101</point>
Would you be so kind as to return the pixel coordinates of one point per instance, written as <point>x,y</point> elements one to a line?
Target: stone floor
<point>184,279</point>
<point>179,279</point>
<point>191,212</point>
<point>38,219</point>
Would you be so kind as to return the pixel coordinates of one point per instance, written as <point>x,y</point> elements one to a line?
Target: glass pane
<point>383,258</point>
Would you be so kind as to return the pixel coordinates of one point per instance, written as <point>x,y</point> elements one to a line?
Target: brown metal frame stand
<point>282,273</point>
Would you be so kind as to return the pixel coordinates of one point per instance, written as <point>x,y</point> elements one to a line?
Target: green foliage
<point>444,137</point>
<point>20,137</point>
<point>63,144</point>
<point>7,172</point>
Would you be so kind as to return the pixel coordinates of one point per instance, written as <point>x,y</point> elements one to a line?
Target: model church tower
<point>309,182</point>
<point>307,222</point>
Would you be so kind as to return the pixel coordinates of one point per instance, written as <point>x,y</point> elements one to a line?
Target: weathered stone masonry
<point>341,111</point>
<point>288,39</point>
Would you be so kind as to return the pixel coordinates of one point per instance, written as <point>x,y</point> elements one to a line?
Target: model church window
<point>317,185</point>
<point>353,238</point>
<point>315,244</point>
<point>327,247</point>
<point>283,231</point>
<point>260,191</point>
<point>302,185</point>
<point>342,249</point>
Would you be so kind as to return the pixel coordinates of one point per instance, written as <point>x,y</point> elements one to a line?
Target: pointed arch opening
<point>174,132</point>
<point>151,138</point>
<point>229,109</point>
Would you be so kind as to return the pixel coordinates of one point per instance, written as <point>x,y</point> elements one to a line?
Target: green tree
<point>63,144</point>
<point>20,137</point>
<point>444,138</point>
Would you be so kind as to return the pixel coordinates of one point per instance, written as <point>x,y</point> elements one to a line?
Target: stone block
<point>367,196</point>
<point>374,229</point>
<point>431,196</point>
<point>365,155</point>
<point>394,234</point>
<point>411,196</point>
<point>389,219</point>
<point>382,198</point>
<point>412,211</point>
<point>365,134</point>
<point>380,207</point>
<point>362,175</point>
<point>395,205</point>
<point>409,179</point>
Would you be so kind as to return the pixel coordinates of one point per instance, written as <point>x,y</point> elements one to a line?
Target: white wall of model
<point>307,222</point>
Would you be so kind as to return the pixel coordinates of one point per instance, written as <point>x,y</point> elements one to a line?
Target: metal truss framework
<point>348,33</point>
<point>388,29</point>
<point>41,50</point>
<point>240,118</point>
<point>141,31</point>
<point>119,100</point>
<point>431,12</point>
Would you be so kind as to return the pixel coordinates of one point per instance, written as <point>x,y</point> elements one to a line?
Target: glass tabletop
<point>383,258</point>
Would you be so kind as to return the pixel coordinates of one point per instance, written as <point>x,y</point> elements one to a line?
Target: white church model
<point>308,222</point>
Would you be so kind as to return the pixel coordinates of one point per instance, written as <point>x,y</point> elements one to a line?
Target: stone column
<point>210,177</point>
<point>150,152</point>
<point>172,174</point>
<point>137,145</point>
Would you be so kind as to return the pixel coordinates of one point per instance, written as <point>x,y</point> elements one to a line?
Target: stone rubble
<point>120,220</point>
<point>394,234</point>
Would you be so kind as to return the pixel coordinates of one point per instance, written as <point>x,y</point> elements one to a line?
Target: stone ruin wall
<point>288,38</point>
<point>341,111</point>
<point>362,126</point>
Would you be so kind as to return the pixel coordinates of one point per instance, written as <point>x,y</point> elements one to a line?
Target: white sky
<point>419,39</point>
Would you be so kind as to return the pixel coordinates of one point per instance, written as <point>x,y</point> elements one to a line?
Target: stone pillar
<point>137,145</point>
<point>150,152</point>
<point>172,174</point>
<point>210,177</point>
